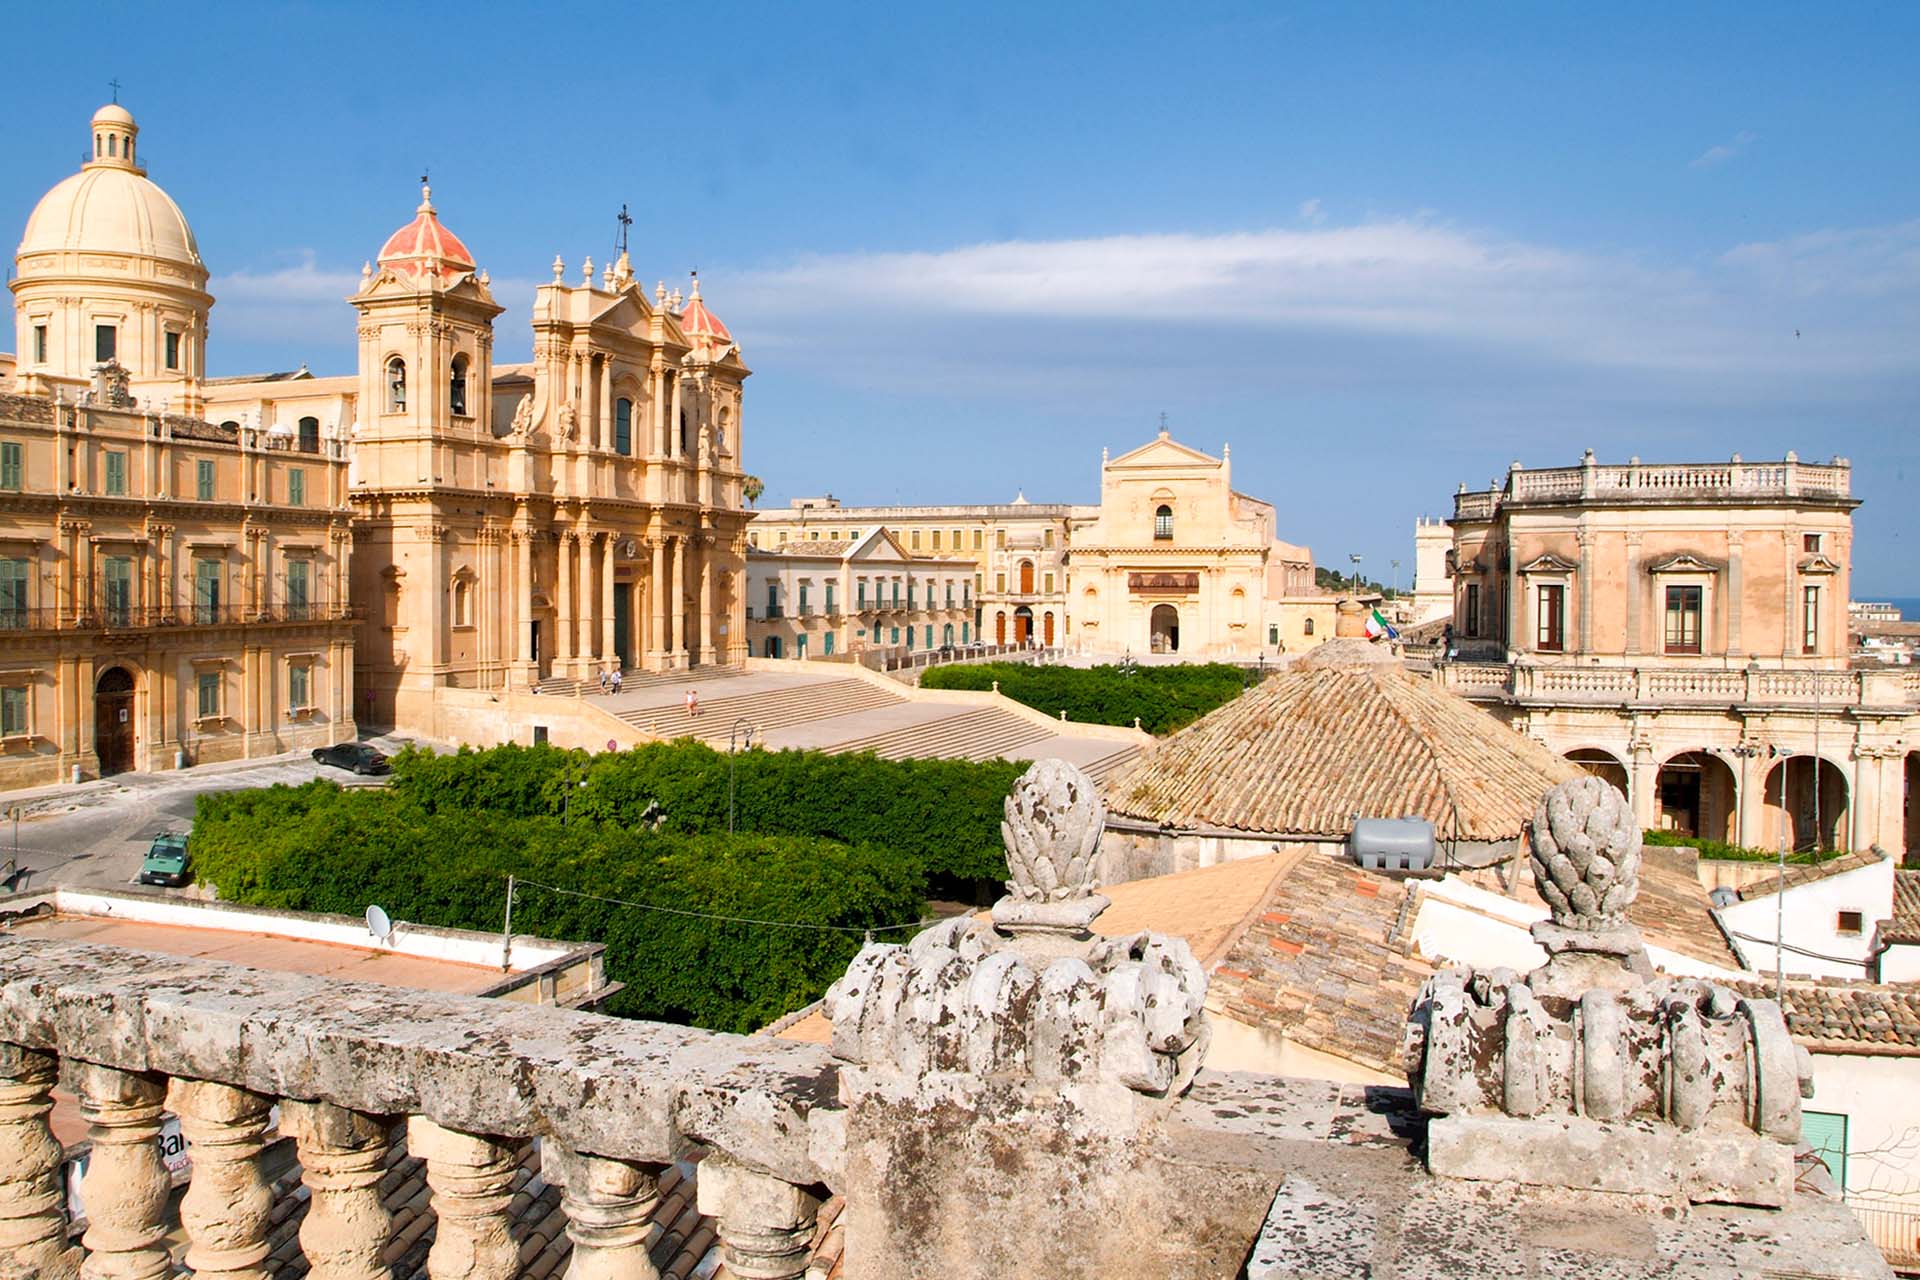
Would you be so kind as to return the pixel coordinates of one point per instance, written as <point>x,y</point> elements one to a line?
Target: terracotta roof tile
<point>1304,751</point>
<point>1833,1015</point>
<point>1905,925</point>
<point>1808,872</point>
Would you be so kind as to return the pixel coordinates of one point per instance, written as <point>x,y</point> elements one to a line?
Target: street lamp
<point>1356,574</point>
<point>746,744</point>
<point>566,804</point>
<point>1396,578</point>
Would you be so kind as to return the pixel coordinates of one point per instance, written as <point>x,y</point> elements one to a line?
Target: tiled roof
<point>1304,751</point>
<point>1905,925</point>
<point>1324,963</point>
<point>681,1243</point>
<point>1832,1015</point>
<point>1809,872</point>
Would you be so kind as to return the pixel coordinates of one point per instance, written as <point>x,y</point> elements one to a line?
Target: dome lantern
<point>113,138</point>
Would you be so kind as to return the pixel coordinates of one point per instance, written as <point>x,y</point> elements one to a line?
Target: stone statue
<point>706,444</point>
<point>1592,1071</point>
<point>523,416</point>
<point>568,419</point>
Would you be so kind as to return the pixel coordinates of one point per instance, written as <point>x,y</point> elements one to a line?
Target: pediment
<point>1162,452</point>
<point>1818,563</point>
<point>1549,563</point>
<point>880,544</point>
<point>629,312</point>
<point>1685,562</point>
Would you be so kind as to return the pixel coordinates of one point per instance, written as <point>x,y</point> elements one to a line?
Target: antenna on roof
<point>625,220</point>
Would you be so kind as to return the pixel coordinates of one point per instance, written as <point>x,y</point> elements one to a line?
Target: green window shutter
<point>1826,1133</point>
<point>11,466</point>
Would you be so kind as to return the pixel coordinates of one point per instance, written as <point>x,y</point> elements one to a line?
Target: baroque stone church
<point>508,523</point>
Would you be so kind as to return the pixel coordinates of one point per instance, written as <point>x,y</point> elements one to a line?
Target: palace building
<point>433,520</point>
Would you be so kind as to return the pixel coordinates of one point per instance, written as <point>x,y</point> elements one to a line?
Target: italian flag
<point>1377,628</point>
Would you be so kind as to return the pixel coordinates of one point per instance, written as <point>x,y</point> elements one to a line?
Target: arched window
<point>1306,627</point>
<point>457,387</point>
<point>396,385</point>
<point>683,432</point>
<point>1163,523</point>
<point>462,603</point>
<point>623,425</point>
<point>720,430</point>
<point>113,144</point>
<point>309,437</point>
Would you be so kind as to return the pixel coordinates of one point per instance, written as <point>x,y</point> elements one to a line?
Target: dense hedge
<point>319,848</point>
<point>941,817</point>
<point>1722,851</point>
<point>1164,698</point>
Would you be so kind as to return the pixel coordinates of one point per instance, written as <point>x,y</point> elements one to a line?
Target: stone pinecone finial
<point>1586,854</point>
<point>1054,817</point>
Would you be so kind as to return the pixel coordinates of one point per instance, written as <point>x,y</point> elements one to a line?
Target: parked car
<point>355,756</point>
<point>166,861</point>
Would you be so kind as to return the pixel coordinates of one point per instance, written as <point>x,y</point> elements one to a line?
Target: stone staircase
<point>768,710</point>
<point>983,733</point>
<point>1100,769</point>
<point>560,686</point>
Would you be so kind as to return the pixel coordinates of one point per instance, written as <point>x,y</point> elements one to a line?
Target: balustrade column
<point>228,1201</point>
<point>33,1220</point>
<point>126,1184</point>
<point>343,1156</point>
<point>471,1178</point>
<point>609,1206</point>
<point>765,1225</point>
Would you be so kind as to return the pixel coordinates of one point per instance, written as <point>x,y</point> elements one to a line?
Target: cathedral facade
<point>485,526</point>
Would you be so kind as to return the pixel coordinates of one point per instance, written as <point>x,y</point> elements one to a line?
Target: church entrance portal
<point>113,721</point>
<point>1022,625</point>
<point>1165,636</point>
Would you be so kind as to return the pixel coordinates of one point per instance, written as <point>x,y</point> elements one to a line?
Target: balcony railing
<point>1696,686</point>
<point>137,618</point>
<point>1661,482</point>
<point>1894,1227</point>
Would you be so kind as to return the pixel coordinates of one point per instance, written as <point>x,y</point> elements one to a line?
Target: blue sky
<point>1380,250</point>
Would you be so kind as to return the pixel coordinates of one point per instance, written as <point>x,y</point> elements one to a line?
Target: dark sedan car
<point>355,756</point>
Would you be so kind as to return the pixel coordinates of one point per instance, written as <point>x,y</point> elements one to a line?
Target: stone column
<point>765,1225</point>
<point>609,1206</point>
<point>709,652</point>
<point>1636,591</point>
<point>657,407</point>
<point>563,612</point>
<point>343,1156</point>
<point>656,585</point>
<point>1643,770</point>
<point>608,541</point>
<point>677,606</point>
<point>524,591</point>
<point>126,1184</point>
<point>228,1201</point>
<point>471,1178</point>
<point>1586,591</point>
<point>33,1223</point>
<point>673,423</point>
<point>604,418</point>
<point>1736,589</point>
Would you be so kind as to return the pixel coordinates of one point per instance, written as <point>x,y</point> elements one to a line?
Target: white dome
<point>111,209</point>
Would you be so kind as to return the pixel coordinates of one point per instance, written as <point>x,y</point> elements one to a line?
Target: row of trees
<point>1163,698</point>
<point>694,919</point>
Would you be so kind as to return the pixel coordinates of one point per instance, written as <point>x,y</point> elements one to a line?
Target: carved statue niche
<point>568,422</point>
<point>523,417</point>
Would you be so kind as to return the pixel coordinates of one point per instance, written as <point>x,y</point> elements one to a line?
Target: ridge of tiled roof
<point>1323,963</point>
<point>1840,1015</point>
<point>1304,751</point>
<point>1809,872</point>
<point>1905,925</point>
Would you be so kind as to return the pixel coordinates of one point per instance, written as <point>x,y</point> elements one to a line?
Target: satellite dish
<point>378,925</point>
<point>1724,897</point>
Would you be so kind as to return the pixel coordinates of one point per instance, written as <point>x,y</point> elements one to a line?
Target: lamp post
<point>1396,578</point>
<point>566,804</point>
<point>1356,575</point>
<point>746,743</point>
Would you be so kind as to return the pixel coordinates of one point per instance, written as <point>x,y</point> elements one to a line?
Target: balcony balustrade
<point>1660,482</point>
<point>142,617</point>
<point>1681,686</point>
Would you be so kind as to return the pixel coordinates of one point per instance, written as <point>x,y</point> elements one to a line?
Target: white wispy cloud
<point>1310,211</point>
<point>1724,151</point>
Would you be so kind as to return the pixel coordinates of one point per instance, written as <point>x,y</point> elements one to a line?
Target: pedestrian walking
<point>606,680</point>
<point>693,703</point>
<point>618,679</point>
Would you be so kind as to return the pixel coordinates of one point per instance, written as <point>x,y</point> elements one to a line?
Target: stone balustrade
<point>134,1035</point>
<point>1681,685</point>
<point>1658,483</point>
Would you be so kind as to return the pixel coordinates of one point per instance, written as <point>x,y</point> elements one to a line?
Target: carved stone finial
<point>1053,821</point>
<point>1586,854</point>
<point>586,273</point>
<point>559,269</point>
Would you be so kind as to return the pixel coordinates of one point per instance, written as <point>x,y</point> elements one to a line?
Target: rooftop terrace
<point>1665,484</point>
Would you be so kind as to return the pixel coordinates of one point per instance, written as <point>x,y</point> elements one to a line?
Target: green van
<point>166,861</point>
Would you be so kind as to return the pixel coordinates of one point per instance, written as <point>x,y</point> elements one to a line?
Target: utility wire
<point>1799,951</point>
<point>707,915</point>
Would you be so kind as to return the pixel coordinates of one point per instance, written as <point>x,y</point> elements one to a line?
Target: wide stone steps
<point>561,686</point>
<point>1099,769</point>
<point>767,711</point>
<point>984,733</point>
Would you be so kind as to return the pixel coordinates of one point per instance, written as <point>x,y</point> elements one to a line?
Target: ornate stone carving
<point>523,417</point>
<point>568,421</point>
<point>1591,1072</point>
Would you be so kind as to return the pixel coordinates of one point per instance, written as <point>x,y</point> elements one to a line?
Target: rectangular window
<point>106,342</point>
<point>826,645</point>
<point>116,472</point>
<point>296,486</point>
<point>909,639</point>
<point>13,465</point>
<point>299,578</point>
<point>936,539</point>
<point>963,633</point>
<point>1810,542</point>
<point>1550,619</point>
<point>1850,922</point>
<point>13,711</point>
<point>206,591</point>
<point>1683,619</point>
<point>203,479</point>
<point>1046,539</point>
<point>173,351</point>
<point>956,539</point>
<point>830,587</point>
<point>1000,539</point>
<point>929,637</point>
<point>1810,619</point>
<point>773,599</point>
<point>116,585</point>
<point>916,539</point>
<point>1000,583</point>
<point>1826,1133</point>
<point>800,647</point>
<point>299,687</point>
<point>1472,609</point>
<point>896,635</point>
<point>949,593</point>
<point>209,689</point>
<point>1047,581</point>
<point>909,593</point>
<point>979,539</point>
<point>13,593</point>
<point>803,599</point>
<point>39,344</point>
<point>861,587</point>
<point>623,425</point>
<point>1273,635</point>
<point>896,593</point>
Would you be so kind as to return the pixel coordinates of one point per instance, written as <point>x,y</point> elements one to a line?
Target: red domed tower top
<point>702,327</point>
<point>424,247</point>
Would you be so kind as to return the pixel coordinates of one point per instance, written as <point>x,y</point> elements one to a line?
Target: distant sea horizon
<point>1909,606</point>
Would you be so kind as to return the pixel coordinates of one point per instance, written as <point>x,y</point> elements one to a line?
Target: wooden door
<point>113,721</point>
